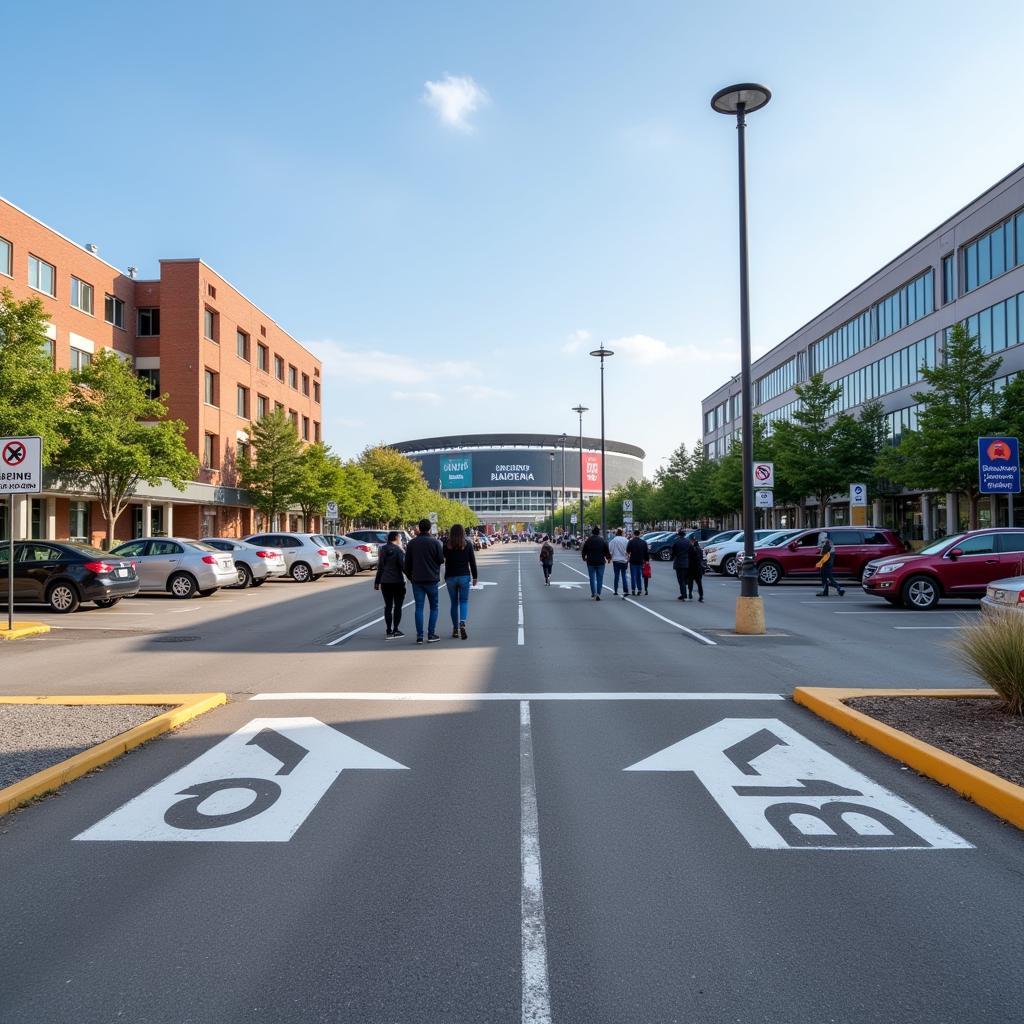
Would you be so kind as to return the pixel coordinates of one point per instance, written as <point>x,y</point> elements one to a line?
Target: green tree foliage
<point>273,473</point>
<point>727,482</point>
<point>399,475</point>
<point>117,436</point>
<point>319,481</point>
<point>32,394</point>
<point>642,493</point>
<point>959,407</point>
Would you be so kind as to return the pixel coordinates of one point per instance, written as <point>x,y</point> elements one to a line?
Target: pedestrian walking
<point>459,575</point>
<point>620,561</point>
<point>424,557</point>
<point>547,561</point>
<point>648,573</point>
<point>681,561</point>
<point>695,571</point>
<point>596,554</point>
<point>827,566</point>
<point>639,562</point>
<point>390,581</point>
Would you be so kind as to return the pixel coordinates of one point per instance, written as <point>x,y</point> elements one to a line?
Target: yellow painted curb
<point>186,707</point>
<point>997,795</point>
<point>23,629</point>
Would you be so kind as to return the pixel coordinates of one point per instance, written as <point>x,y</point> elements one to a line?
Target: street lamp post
<point>551,479</point>
<point>602,354</point>
<point>738,101</point>
<point>580,410</point>
<point>562,442</point>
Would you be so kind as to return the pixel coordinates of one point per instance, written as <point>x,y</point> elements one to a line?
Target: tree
<point>274,471</point>
<point>117,436</point>
<point>699,500</point>
<point>727,485</point>
<point>959,407</point>
<point>32,394</point>
<point>355,493</point>
<point>320,480</point>
<point>399,475</point>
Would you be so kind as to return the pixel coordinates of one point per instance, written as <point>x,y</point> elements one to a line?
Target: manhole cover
<point>174,639</point>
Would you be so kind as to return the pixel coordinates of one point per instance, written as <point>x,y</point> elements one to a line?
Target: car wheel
<point>108,602</point>
<point>301,572</point>
<point>665,555</point>
<point>769,573</point>
<point>244,574</point>
<point>62,598</point>
<point>259,583</point>
<point>729,566</point>
<point>921,593</point>
<point>182,585</point>
<point>349,566</point>
<point>209,593</point>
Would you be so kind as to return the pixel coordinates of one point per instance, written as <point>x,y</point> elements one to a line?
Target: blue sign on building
<point>998,465</point>
<point>456,473</point>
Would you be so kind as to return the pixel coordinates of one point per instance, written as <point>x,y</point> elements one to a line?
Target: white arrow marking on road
<point>480,584</point>
<point>784,792</point>
<point>257,785</point>
<point>570,585</point>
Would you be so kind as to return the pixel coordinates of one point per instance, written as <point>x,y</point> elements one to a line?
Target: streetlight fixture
<point>580,410</point>
<point>551,479</point>
<point>738,101</point>
<point>602,354</point>
<point>561,441</point>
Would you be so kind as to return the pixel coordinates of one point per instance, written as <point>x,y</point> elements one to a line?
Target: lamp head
<point>602,353</point>
<point>732,98</point>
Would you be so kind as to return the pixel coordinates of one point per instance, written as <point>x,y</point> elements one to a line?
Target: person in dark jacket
<point>596,554</point>
<point>681,560</point>
<point>547,561</point>
<point>459,576</point>
<point>423,560</point>
<point>695,571</point>
<point>638,553</point>
<point>390,580</point>
<point>827,565</point>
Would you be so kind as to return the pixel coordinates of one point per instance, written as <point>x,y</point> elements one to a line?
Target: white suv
<point>308,556</point>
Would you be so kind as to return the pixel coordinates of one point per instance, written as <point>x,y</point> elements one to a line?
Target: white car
<point>308,556</point>
<point>722,555</point>
<point>1006,595</point>
<point>254,564</point>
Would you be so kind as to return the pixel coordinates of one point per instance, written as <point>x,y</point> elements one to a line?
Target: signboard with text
<point>998,465</point>
<point>763,499</point>
<point>456,472</point>
<point>21,465</point>
<point>858,495</point>
<point>591,472</point>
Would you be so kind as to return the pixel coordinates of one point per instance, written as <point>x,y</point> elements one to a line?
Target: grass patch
<point>992,647</point>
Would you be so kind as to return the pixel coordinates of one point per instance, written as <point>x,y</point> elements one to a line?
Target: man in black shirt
<point>424,557</point>
<point>681,560</point>
<point>596,554</point>
<point>639,553</point>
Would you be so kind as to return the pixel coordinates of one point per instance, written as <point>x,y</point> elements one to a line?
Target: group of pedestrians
<point>630,561</point>
<point>421,562</point>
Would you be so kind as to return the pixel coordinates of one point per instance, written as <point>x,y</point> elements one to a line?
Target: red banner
<point>591,472</point>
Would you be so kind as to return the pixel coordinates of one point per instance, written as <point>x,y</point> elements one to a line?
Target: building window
<point>242,402</point>
<point>294,417</point>
<point>78,520</point>
<point>262,357</point>
<point>906,305</point>
<point>305,428</point>
<point>316,391</point>
<point>210,324</point>
<point>278,367</point>
<point>152,380</point>
<point>42,275</point>
<point>305,384</point>
<point>316,431</point>
<point>211,291</point>
<point>242,345</point>
<point>261,406</point>
<point>113,311</point>
<point>81,295</point>
<point>80,359</point>
<point>149,323</point>
<point>998,250</point>
<point>210,451</point>
<point>48,349</point>
<point>6,258</point>
<point>242,453</point>
<point>210,387</point>
<point>293,378</point>
<point>278,407</point>
<point>948,280</point>
<point>773,384</point>
<point>999,326</point>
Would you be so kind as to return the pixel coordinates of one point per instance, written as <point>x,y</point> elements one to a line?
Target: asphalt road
<point>484,855</point>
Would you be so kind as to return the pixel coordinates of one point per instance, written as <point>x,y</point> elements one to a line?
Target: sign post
<point>859,504</point>
<point>332,510</point>
<point>21,472</point>
<point>999,468</point>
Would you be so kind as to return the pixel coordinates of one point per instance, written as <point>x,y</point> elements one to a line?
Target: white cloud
<point>454,99</point>
<point>426,397</point>
<point>482,392</point>
<point>645,350</point>
<point>576,340</point>
<point>375,366</point>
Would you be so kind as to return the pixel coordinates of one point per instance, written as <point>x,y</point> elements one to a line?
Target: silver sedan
<point>254,564</point>
<point>1004,595</point>
<point>179,565</point>
<point>353,555</point>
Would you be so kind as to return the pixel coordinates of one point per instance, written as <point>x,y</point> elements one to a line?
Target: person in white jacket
<point>620,562</point>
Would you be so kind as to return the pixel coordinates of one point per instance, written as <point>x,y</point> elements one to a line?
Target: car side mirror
<point>956,552</point>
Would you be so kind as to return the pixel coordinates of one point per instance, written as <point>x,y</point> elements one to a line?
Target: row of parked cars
<point>64,574</point>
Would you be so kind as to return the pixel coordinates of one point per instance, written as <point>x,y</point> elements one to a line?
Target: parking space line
<point>927,627</point>
<point>366,625</point>
<point>521,635</point>
<point>568,695</point>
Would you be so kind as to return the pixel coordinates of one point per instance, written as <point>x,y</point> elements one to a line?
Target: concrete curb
<point>23,629</point>
<point>186,707</point>
<point>987,790</point>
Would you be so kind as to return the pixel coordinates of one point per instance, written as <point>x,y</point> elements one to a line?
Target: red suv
<point>855,547</point>
<point>960,566</point>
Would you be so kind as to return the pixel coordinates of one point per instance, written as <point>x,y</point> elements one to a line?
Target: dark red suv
<point>960,566</point>
<point>855,547</point>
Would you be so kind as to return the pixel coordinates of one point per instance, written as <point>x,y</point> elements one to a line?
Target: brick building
<point>221,361</point>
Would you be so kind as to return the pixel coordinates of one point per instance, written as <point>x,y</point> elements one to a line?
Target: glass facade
<point>843,342</point>
<point>784,412</point>
<point>905,306</point>
<point>999,326</point>
<point>513,501</point>
<point>900,422</point>
<point>948,280</point>
<point>895,371</point>
<point>775,383</point>
<point>998,250</point>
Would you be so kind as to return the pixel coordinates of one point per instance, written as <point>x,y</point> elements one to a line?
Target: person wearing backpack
<point>547,561</point>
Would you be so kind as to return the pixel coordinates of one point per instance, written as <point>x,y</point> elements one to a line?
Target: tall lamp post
<point>551,479</point>
<point>738,101</point>
<point>602,354</point>
<point>561,441</point>
<point>580,410</point>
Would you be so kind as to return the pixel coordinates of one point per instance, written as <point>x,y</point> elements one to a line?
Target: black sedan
<point>63,575</point>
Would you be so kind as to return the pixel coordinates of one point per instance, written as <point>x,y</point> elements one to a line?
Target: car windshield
<point>941,544</point>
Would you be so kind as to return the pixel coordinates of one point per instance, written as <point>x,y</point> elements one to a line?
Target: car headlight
<point>891,567</point>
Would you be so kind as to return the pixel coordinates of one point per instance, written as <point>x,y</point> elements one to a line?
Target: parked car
<point>1004,595</point>
<point>353,555</point>
<point>181,566</point>
<point>253,565</point>
<point>960,566</point>
<point>63,575</point>
<point>661,547</point>
<point>797,557</point>
<point>721,555</point>
<point>378,536</point>
<point>307,556</point>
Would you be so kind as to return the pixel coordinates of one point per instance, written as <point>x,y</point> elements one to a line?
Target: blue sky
<point>453,250</point>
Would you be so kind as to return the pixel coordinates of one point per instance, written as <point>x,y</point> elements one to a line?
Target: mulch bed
<point>974,728</point>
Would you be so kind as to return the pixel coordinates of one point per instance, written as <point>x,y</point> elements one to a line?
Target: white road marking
<point>536,996</point>
<point>257,785</point>
<point>783,792</point>
<point>636,604</point>
<point>387,695</point>
<point>108,629</point>
<point>366,625</point>
<point>927,627</point>
<point>521,632</point>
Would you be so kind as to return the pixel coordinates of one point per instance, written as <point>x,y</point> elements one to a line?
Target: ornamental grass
<point>992,647</point>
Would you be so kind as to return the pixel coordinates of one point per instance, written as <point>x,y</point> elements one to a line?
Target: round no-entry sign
<point>764,474</point>
<point>13,453</point>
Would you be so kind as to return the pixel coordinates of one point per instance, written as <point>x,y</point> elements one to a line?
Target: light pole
<point>580,410</point>
<point>738,101</point>
<point>562,442</point>
<point>551,480</point>
<point>602,354</point>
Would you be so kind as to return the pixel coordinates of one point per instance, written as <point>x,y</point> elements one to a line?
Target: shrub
<point>993,649</point>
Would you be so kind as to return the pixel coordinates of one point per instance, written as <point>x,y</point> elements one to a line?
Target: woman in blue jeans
<point>459,576</point>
